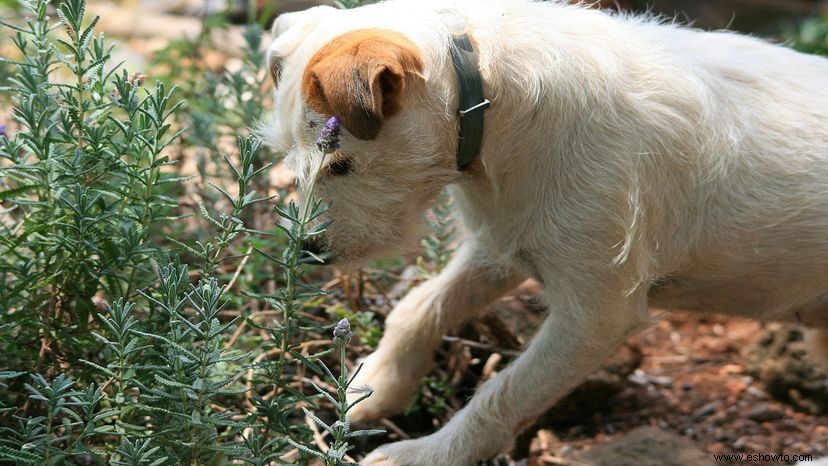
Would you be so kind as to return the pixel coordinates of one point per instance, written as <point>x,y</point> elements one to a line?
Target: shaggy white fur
<point>626,163</point>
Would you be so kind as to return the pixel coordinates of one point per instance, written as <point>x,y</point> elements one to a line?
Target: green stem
<point>80,88</point>
<point>251,11</point>
<point>293,263</point>
<point>50,417</point>
<point>150,183</point>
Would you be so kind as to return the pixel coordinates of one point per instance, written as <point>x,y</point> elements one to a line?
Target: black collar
<point>471,100</point>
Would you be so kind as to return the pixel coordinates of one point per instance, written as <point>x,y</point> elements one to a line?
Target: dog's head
<point>396,141</point>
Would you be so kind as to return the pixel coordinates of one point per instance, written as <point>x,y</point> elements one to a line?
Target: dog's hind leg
<point>573,342</point>
<point>414,329</point>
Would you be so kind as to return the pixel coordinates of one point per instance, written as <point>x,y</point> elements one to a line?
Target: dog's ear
<point>361,76</point>
<point>289,30</point>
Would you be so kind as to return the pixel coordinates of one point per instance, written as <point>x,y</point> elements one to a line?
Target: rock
<point>779,359</point>
<point>763,412</point>
<point>646,446</point>
<point>639,377</point>
<point>708,409</point>
<point>722,435</point>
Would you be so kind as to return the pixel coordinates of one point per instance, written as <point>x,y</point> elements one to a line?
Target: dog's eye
<point>340,166</point>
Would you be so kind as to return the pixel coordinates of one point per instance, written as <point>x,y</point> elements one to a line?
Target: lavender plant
<point>97,288</point>
<point>71,417</point>
<point>285,335</point>
<point>83,187</point>
<point>340,431</point>
<point>811,35</point>
<point>437,247</point>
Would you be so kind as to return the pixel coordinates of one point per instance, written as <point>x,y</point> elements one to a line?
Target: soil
<point>694,382</point>
<point>688,388</point>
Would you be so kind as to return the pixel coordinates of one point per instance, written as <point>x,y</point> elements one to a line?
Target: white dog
<point>624,163</point>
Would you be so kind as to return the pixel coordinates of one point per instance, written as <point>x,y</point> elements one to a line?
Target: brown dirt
<point>692,381</point>
<point>686,376</point>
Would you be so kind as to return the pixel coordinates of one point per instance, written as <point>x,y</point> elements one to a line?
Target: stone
<point>708,409</point>
<point>763,412</point>
<point>646,446</point>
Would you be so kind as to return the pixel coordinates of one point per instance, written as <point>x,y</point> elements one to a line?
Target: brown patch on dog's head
<point>361,76</point>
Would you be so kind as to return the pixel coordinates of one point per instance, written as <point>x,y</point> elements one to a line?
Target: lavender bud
<point>342,332</point>
<point>328,140</point>
<point>3,131</point>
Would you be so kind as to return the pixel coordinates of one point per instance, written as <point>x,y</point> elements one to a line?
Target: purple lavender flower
<point>342,332</point>
<point>328,140</point>
<point>342,329</point>
<point>3,133</point>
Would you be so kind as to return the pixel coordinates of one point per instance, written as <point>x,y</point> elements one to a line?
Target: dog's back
<point>761,200</point>
<point>713,145</point>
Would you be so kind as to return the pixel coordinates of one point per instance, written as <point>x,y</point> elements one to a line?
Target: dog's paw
<point>392,384</point>
<point>419,452</point>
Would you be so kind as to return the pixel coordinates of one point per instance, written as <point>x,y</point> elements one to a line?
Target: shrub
<point>115,325</point>
<point>811,36</point>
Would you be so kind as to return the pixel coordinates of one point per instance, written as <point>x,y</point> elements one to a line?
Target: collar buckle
<point>481,106</point>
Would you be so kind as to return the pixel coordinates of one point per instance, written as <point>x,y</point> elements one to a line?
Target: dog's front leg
<point>414,329</point>
<point>571,343</point>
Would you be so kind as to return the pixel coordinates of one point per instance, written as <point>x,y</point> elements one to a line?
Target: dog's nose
<point>317,246</point>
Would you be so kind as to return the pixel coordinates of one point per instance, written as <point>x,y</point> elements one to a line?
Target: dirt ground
<point>693,379</point>
<point>693,382</point>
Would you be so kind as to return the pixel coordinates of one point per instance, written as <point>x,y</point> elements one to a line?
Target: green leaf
<point>19,456</point>
<point>9,193</point>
